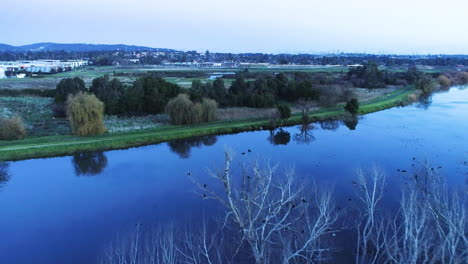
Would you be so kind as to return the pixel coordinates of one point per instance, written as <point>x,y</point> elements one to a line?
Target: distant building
<point>13,68</point>
<point>2,73</point>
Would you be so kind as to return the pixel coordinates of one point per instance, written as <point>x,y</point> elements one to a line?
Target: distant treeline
<point>156,58</point>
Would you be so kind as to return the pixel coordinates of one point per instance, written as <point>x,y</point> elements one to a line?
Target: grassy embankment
<point>41,147</point>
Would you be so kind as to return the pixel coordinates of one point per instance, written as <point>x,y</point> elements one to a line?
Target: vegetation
<point>183,111</point>
<point>352,106</point>
<point>425,83</point>
<point>12,128</point>
<point>284,111</point>
<point>86,114</point>
<point>464,77</point>
<point>68,86</point>
<point>273,217</point>
<point>63,145</point>
<point>443,80</point>
<point>110,92</point>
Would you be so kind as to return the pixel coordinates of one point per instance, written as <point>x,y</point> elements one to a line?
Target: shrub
<point>284,111</point>
<point>443,80</point>
<point>12,128</point>
<point>179,110</point>
<point>86,114</point>
<point>352,106</point>
<point>209,108</point>
<point>183,111</point>
<point>68,86</point>
<point>425,83</point>
<point>464,77</point>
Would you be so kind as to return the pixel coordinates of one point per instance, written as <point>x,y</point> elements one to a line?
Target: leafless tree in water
<point>279,219</point>
<point>429,227</point>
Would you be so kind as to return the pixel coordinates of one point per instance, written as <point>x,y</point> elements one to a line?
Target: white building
<point>2,73</point>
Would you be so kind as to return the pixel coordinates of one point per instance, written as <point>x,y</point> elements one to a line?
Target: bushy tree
<point>367,76</point>
<point>284,111</point>
<point>86,114</point>
<point>67,87</point>
<point>12,128</point>
<point>464,77</point>
<point>110,92</point>
<point>425,83</point>
<point>183,111</point>
<point>157,93</point>
<point>352,106</point>
<point>443,81</point>
<point>209,108</point>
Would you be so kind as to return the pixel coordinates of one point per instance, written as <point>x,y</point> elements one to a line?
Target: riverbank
<point>50,146</point>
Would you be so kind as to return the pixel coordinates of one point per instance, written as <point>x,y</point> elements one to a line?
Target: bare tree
<point>371,186</point>
<point>305,104</point>
<point>429,227</point>
<point>273,215</point>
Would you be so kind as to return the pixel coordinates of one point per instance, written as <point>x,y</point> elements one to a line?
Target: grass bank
<point>50,146</point>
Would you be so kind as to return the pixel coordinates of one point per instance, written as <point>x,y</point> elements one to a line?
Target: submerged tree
<point>278,220</point>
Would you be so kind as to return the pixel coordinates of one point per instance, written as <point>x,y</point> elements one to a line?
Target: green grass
<point>40,147</point>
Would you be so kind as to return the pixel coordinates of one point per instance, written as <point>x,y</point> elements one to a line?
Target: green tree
<point>68,86</point>
<point>86,114</point>
<point>352,106</point>
<point>284,111</point>
<point>110,92</point>
<point>209,108</point>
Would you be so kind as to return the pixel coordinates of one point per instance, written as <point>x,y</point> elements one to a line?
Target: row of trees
<point>148,94</point>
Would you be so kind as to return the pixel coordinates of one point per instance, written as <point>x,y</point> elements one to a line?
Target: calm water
<point>66,209</point>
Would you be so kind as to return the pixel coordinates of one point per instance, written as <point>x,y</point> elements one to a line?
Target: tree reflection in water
<point>305,135</point>
<point>425,101</point>
<point>89,163</point>
<point>279,137</point>
<point>4,174</point>
<point>330,124</point>
<point>183,146</point>
<point>351,122</point>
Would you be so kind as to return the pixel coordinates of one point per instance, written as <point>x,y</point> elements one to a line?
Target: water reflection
<point>4,174</point>
<point>183,146</point>
<point>351,122</point>
<point>279,137</point>
<point>305,136</point>
<point>89,163</point>
<point>425,101</point>
<point>330,124</point>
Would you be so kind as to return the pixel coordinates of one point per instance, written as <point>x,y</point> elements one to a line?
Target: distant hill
<point>79,47</point>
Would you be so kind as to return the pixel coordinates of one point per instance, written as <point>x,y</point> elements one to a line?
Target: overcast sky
<point>271,26</point>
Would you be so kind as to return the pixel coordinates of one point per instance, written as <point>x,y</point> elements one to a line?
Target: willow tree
<point>86,114</point>
<point>183,111</point>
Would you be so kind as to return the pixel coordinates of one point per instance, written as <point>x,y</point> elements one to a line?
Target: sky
<point>267,26</point>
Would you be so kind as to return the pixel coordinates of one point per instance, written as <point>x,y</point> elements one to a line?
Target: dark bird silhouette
<point>188,173</point>
<point>249,150</point>
<point>204,185</point>
<point>404,171</point>
<point>349,199</point>
<point>243,153</point>
<point>304,200</point>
